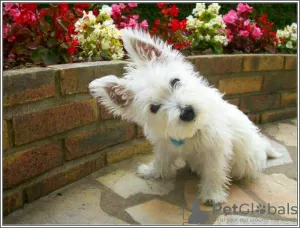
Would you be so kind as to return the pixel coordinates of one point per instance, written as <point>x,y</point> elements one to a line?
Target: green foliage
<point>281,14</point>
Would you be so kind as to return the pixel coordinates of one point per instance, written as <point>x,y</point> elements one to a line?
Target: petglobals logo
<point>246,209</point>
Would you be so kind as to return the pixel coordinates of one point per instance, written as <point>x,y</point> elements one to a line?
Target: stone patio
<point>115,195</point>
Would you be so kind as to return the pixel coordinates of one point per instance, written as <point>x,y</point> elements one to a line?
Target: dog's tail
<point>272,153</point>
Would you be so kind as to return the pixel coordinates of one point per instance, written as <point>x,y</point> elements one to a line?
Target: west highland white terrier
<point>183,117</point>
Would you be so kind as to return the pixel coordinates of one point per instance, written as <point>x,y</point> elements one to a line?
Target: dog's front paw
<point>146,171</point>
<point>149,171</point>
<point>213,198</point>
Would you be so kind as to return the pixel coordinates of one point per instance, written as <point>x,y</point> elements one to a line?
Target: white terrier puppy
<point>183,117</point>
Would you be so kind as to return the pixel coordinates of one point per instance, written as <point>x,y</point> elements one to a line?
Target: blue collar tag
<point>177,142</point>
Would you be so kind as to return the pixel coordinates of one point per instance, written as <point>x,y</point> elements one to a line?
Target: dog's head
<point>160,90</point>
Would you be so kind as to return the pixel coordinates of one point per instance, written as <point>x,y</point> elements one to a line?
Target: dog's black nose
<point>187,114</point>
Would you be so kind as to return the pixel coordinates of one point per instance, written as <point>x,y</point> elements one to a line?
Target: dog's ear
<point>112,92</point>
<point>142,48</point>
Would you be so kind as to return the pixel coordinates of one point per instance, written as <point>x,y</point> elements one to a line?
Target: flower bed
<point>45,34</point>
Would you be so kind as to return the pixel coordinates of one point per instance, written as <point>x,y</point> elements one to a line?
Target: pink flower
<point>246,22</point>
<point>15,13</point>
<point>230,17</point>
<point>6,30</point>
<point>115,9</point>
<point>132,5</point>
<point>144,24</point>
<point>135,16</point>
<point>122,6</point>
<point>244,8</point>
<point>132,23</point>
<point>244,33</point>
<point>8,6</point>
<point>256,32</point>
<point>11,56</point>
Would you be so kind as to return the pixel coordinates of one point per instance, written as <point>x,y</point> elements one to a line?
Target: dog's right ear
<point>142,48</point>
<point>112,92</point>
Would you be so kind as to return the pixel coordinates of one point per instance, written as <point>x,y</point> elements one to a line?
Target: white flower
<point>105,10</point>
<point>200,8</point>
<point>214,8</point>
<point>289,44</point>
<point>207,37</point>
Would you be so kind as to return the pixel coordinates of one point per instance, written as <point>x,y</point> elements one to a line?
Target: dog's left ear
<point>142,48</point>
<point>112,93</point>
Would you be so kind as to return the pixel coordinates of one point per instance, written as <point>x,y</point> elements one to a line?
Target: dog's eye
<point>154,108</point>
<point>174,81</point>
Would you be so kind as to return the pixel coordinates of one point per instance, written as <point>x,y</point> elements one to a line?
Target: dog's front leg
<point>214,176</point>
<point>162,166</point>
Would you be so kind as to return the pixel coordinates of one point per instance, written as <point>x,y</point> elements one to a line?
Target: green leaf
<point>63,45</point>
<point>89,30</point>
<point>36,56</point>
<point>52,41</point>
<point>50,58</point>
<point>20,49</point>
<point>65,57</point>
<point>45,26</point>
<point>62,24</point>
<point>217,49</point>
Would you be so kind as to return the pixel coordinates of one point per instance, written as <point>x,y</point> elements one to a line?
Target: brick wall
<point>54,133</point>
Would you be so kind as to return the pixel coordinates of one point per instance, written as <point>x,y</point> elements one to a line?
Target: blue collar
<point>177,143</point>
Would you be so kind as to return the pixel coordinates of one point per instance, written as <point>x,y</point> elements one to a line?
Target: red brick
<point>217,64</point>
<point>75,78</point>
<point>105,114</point>
<point>263,62</point>
<point>63,178</point>
<point>24,165</point>
<point>21,86</point>
<point>5,135</point>
<point>291,62</point>
<point>127,151</point>
<point>259,102</point>
<point>107,135</point>
<point>234,101</point>
<point>12,202</point>
<point>276,115</point>
<point>48,122</point>
<point>288,99</point>
<point>240,85</point>
<point>254,118</point>
<point>281,80</point>
<point>139,132</point>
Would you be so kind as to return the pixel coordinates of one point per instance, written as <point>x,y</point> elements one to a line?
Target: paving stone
<point>283,132</point>
<point>75,204</point>
<point>294,121</point>
<point>284,159</point>
<point>236,197</point>
<point>278,192</point>
<point>156,212</point>
<point>127,183</point>
<point>243,220</point>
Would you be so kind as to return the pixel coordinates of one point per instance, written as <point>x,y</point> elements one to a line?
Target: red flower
<point>71,29</point>
<point>63,7</point>
<point>43,13</point>
<point>174,11</point>
<point>75,43</point>
<point>157,22</point>
<point>161,5</point>
<point>72,50</point>
<point>30,7</point>
<point>165,12</point>
<point>175,24</point>
<point>81,5</point>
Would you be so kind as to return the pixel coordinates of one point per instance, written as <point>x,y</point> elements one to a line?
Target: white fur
<point>221,143</point>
